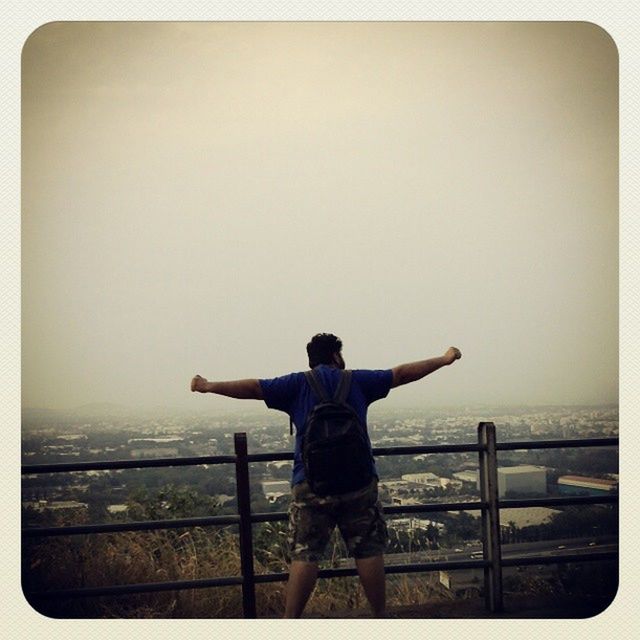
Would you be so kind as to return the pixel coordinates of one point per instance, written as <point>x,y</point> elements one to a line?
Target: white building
<point>67,505</point>
<point>467,476</point>
<point>274,489</point>
<point>117,508</point>
<point>525,478</point>
<point>431,480</point>
<point>581,484</point>
<point>154,452</point>
<point>410,524</point>
<point>428,479</point>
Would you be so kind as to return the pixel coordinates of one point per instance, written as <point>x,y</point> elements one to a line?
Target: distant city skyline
<point>237,409</point>
<point>204,197</point>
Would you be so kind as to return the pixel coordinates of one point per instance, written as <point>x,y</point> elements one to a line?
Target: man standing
<point>358,513</point>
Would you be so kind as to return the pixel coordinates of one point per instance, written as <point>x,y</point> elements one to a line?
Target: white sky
<point>203,197</point>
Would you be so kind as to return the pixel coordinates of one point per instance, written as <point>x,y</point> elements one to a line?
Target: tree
<point>433,536</point>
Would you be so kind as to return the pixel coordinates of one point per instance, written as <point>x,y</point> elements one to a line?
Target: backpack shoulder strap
<point>343,386</point>
<point>317,386</point>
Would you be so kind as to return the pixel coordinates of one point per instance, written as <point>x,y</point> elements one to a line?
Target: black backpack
<point>335,451</point>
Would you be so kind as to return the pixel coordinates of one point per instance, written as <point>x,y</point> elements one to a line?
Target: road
<point>523,549</point>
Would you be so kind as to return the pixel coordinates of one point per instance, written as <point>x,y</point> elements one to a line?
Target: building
<point>117,508</point>
<point>467,477</point>
<point>426,479</point>
<point>274,489</point>
<point>411,524</point>
<point>580,485</point>
<point>63,505</point>
<point>525,478</point>
<point>393,485</point>
<point>155,452</point>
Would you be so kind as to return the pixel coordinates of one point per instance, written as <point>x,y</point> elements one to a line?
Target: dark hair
<point>322,347</point>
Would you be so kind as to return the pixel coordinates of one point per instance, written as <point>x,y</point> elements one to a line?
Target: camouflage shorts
<point>357,514</point>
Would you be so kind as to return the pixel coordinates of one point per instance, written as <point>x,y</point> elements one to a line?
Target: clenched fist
<point>452,355</point>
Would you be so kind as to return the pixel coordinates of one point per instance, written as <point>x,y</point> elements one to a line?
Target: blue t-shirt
<point>292,394</point>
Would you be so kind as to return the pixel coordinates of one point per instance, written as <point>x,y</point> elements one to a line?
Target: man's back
<point>292,394</point>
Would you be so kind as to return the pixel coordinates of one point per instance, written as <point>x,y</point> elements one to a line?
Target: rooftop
<point>585,480</point>
<point>522,468</point>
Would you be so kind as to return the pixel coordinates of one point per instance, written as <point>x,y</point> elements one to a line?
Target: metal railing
<point>489,504</point>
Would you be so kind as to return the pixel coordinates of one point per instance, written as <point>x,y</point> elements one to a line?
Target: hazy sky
<point>204,197</point>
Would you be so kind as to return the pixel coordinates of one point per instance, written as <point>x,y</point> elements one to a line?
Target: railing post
<point>244,511</point>
<point>490,516</point>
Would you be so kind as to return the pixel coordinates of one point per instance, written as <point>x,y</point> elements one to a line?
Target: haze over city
<point>204,197</point>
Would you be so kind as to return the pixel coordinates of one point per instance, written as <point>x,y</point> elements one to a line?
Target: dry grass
<point>167,555</point>
<point>134,558</point>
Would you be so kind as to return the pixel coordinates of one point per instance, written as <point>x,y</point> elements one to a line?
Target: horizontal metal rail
<point>250,518</point>
<point>270,456</point>
<point>410,567</point>
<point>263,578</point>
<point>145,587</point>
<point>145,525</point>
<point>562,501</point>
<point>105,465</point>
<point>272,516</point>
<point>595,556</point>
<point>419,449</point>
<point>557,444</point>
<point>181,585</point>
<point>276,516</point>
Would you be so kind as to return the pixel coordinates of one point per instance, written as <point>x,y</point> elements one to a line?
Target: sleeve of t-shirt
<point>375,383</point>
<point>280,393</point>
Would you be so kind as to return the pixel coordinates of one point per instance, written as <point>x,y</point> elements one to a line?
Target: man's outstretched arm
<point>412,371</point>
<point>248,389</point>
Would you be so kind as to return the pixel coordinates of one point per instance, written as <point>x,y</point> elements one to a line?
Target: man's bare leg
<point>371,573</point>
<point>302,580</point>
